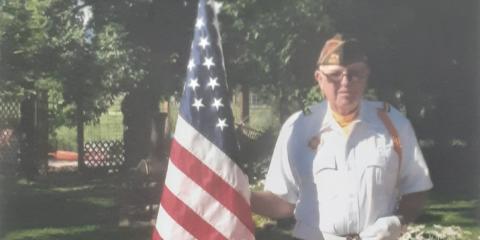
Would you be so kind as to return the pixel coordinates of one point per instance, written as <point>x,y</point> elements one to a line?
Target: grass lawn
<point>63,206</point>
<point>67,206</point>
<point>447,210</point>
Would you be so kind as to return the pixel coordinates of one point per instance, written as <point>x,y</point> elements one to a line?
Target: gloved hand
<point>385,228</point>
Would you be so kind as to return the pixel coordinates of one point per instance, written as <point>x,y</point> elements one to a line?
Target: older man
<point>351,168</point>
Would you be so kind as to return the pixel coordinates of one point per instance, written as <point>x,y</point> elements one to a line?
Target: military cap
<point>339,50</point>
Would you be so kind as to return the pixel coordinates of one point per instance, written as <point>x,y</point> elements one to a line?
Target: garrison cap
<point>339,50</point>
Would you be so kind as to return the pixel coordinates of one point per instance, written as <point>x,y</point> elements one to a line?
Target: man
<point>351,168</point>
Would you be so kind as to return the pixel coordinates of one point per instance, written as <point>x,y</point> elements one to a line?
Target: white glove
<point>385,228</point>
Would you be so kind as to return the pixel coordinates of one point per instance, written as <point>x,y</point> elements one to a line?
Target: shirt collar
<point>366,116</point>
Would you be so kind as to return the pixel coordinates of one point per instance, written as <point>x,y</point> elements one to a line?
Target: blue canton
<point>205,102</point>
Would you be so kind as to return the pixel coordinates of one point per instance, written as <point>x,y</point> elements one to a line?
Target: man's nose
<point>345,78</point>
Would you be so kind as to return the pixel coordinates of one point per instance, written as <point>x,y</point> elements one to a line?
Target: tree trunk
<point>80,136</point>
<point>245,114</point>
<point>138,108</point>
<point>41,129</point>
<point>27,139</point>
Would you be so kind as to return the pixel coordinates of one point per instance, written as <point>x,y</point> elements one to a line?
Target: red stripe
<point>155,234</point>
<point>186,217</point>
<point>212,183</point>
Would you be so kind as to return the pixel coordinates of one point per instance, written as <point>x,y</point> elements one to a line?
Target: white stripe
<point>204,205</point>
<point>168,228</point>
<point>212,156</point>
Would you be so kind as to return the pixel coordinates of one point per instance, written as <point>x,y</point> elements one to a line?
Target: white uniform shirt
<point>347,182</point>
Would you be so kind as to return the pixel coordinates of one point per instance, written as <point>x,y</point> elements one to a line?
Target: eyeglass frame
<point>350,77</point>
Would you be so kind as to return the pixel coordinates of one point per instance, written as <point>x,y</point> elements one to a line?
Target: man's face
<point>343,86</point>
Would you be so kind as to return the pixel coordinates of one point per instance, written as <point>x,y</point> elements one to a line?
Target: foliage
<point>421,61</point>
<point>51,45</point>
<point>437,232</point>
<point>159,32</point>
<point>275,43</point>
<point>109,127</point>
<point>23,43</point>
<point>97,63</point>
<point>162,31</point>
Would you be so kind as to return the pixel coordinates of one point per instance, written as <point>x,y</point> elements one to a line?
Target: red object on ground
<point>64,155</point>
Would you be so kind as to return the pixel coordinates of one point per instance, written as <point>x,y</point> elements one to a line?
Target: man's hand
<point>411,206</point>
<point>385,228</point>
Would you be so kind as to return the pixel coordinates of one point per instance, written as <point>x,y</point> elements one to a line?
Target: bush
<point>437,232</point>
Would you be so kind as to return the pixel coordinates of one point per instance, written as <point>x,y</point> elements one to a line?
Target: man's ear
<point>318,76</point>
<point>319,79</point>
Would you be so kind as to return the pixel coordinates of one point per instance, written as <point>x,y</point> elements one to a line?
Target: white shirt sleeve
<point>414,174</point>
<point>279,179</point>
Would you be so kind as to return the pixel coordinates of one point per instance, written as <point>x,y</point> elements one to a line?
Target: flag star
<point>193,83</point>
<point>191,65</point>
<point>217,103</point>
<point>208,62</point>
<point>213,83</point>
<point>198,104</point>
<point>200,23</point>
<point>221,123</point>
<point>204,42</point>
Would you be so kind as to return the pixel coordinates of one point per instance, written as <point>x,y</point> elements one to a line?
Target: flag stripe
<point>205,205</point>
<point>212,183</point>
<point>155,234</point>
<point>169,229</point>
<point>197,227</point>
<point>212,156</point>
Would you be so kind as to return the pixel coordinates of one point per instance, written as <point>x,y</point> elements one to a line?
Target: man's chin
<point>347,104</point>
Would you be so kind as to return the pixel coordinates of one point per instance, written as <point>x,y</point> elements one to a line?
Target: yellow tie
<point>344,121</point>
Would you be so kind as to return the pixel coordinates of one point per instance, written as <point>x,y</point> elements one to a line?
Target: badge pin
<point>314,142</point>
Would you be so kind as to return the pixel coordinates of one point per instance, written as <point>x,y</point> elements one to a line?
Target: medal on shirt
<point>314,142</point>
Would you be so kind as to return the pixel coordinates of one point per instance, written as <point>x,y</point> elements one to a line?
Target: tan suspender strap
<point>383,115</point>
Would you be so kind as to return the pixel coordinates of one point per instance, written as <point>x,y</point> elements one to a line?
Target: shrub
<point>436,232</point>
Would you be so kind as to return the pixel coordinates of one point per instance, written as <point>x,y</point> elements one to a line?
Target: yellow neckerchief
<point>344,121</point>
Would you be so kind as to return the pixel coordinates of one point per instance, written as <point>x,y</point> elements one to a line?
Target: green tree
<point>50,44</point>
<point>274,44</point>
<point>162,31</point>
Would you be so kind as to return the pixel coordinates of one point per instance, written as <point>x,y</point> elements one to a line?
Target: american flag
<point>206,195</point>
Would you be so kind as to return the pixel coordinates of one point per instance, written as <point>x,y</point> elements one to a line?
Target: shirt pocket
<point>326,175</point>
<point>381,169</point>
<point>331,186</point>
